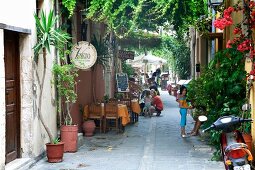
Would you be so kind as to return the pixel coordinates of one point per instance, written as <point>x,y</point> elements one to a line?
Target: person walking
<point>157,104</point>
<point>183,105</point>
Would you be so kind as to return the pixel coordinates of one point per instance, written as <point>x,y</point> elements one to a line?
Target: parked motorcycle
<point>235,153</point>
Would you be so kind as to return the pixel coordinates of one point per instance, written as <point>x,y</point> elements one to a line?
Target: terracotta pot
<point>89,128</point>
<point>69,135</point>
<point>248,140</point>
<point>55,152</point>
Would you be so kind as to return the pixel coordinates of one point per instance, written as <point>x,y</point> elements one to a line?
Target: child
<point>183,104</point>
<point>147,103</point>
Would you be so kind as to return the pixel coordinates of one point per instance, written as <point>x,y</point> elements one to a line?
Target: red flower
<point>237,31</point>
<point>252,72</point>
<point>229,44</point>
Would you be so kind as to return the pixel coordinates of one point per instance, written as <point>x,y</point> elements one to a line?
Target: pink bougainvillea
<point>242,41</point>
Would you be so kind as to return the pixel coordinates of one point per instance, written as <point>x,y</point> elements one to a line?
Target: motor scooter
<point>235,153</point>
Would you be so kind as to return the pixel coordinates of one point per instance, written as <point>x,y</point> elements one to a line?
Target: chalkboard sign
<point>122,82</point>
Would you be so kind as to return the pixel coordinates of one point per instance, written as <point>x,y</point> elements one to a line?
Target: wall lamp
<point>215,3</point>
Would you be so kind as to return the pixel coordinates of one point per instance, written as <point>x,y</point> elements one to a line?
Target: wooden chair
<point>96,113</point>
<point>111,113</point>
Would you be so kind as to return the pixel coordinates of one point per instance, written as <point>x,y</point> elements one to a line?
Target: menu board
<point>122,82</point>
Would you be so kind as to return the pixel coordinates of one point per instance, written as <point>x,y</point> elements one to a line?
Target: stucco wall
<point>49,111</point>
<point>26,90</point>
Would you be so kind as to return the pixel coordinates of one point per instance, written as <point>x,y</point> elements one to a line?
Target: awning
<point>183,82</point>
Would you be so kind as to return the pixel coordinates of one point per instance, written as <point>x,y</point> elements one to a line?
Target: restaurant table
<point>135,109</point>
<point>135,106</point>
<point>123,113</point>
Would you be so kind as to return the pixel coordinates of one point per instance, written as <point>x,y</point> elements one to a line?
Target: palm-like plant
<point>102,59</point>
<point>47,35</point>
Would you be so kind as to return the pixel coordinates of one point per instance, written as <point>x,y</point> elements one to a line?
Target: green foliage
<point>47,34</point>
<point>126,16</point>
<point>180,53</point>
<point>221,88</point>
<point>203,24</point>
<point>102,51</point>
<point>65,77</point>
<point>106,98</point>
<point>56,140</point>
<point>141,40</point>
<point>127,68</point>
<point>69,5</point>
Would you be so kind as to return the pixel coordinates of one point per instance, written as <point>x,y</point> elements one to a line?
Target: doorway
<point>12,95</point>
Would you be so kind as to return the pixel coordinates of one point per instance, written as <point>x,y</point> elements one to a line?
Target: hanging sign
<point>84,55</point>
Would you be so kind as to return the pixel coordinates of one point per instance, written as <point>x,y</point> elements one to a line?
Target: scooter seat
<point>235,146</point>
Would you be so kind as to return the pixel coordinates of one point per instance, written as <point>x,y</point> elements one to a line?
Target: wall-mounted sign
<point>124,55</point>
<point>122,82</point>
<point>84,55</point>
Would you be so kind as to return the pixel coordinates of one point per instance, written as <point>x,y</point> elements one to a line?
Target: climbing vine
<point>70,5</point>
<point>126,16</point>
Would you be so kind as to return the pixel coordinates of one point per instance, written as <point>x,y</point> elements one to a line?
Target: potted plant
<point>48,35</point>
<point>66,75</point>
<point>55,151</point>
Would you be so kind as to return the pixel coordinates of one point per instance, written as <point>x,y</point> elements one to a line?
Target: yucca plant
<point>47,35</point>
<point>102,59</point>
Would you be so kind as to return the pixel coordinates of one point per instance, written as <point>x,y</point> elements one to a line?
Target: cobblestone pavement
<point>151,144</point>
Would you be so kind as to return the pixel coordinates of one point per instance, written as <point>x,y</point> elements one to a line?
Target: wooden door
<point>12,96</point>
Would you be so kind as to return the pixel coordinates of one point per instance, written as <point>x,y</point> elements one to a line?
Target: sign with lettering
<point>84,55</point>
<point>124,55</point>
<point>122,82</point>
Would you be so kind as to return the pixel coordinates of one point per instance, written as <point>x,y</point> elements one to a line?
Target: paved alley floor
<point>151,144</point>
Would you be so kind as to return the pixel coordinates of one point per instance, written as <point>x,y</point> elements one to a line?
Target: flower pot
<point>248,140</point>
<point>55,152</point>
<point>89,128</point>
<point>69,135</point>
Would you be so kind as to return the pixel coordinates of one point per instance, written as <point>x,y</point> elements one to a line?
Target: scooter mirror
<point>246,107</point>
<point>202,118</point>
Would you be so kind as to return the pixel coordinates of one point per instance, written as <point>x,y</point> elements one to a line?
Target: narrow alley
<point>151,144</point>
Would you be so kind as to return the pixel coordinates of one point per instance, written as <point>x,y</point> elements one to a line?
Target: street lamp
<point>215,3</point>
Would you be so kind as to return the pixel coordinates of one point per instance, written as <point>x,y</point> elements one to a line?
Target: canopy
<point>150,59</point>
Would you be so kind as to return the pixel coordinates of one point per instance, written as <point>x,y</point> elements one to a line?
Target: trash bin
<point>164,79</point>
